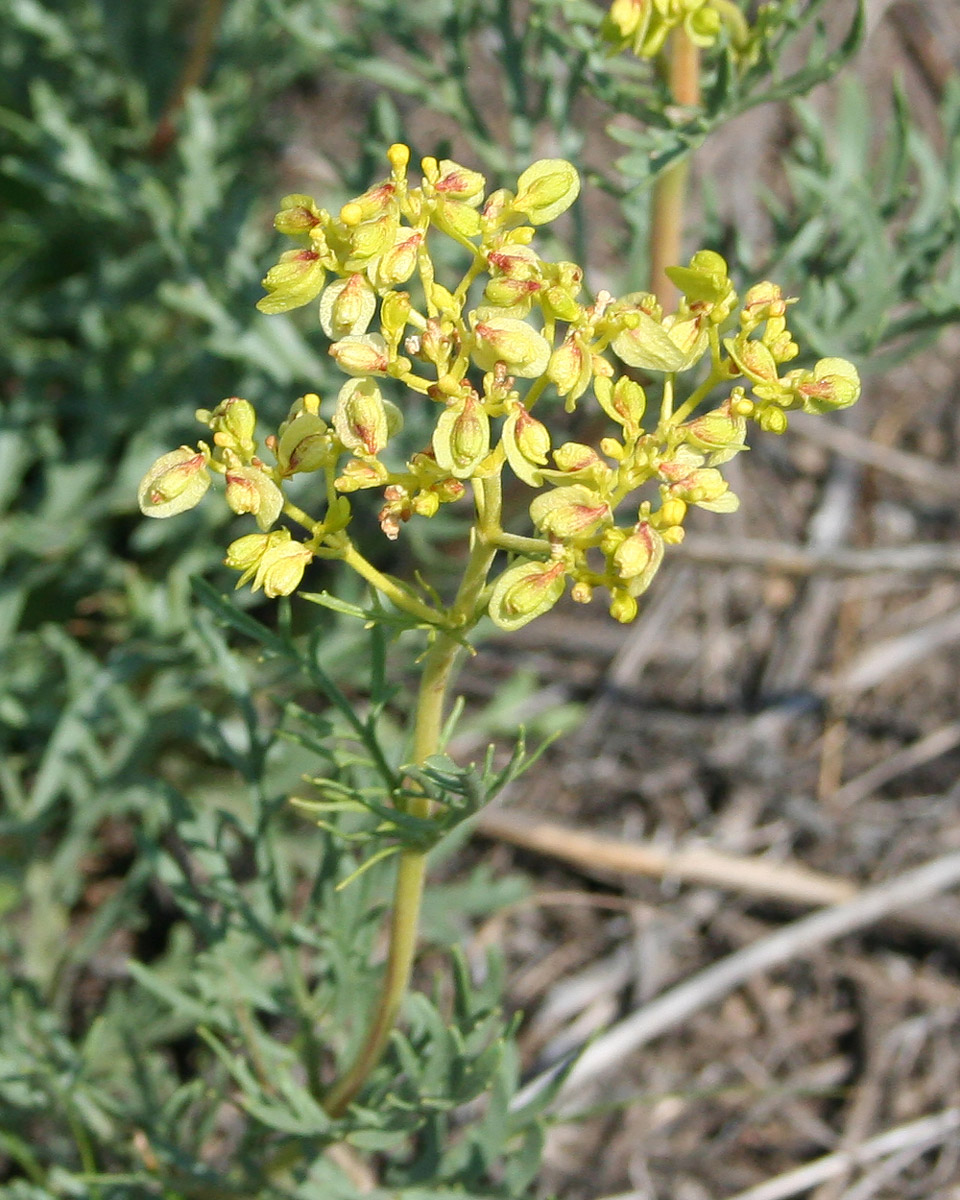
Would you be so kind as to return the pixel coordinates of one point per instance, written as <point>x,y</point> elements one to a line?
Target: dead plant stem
<point>670,188</point>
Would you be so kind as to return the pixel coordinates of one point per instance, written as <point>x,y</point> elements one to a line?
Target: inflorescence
<point>488,355</point>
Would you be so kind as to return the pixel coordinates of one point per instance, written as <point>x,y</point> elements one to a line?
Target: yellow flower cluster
<point>511,338</point>
<point>643,26</point>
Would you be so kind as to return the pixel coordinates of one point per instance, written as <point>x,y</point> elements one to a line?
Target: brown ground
<point>797,715</point>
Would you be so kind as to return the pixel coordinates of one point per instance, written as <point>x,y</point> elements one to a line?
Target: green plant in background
<point>141,743</point>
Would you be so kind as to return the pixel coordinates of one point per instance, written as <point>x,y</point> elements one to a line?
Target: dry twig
<point>924,1134</point>
<point>941,741</point>
<point>923,472</point>
<point>893,655</point>
<point>807,560</point>
<point>758,876</point>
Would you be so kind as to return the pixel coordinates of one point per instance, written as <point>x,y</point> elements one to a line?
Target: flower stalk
<point>408,887</point>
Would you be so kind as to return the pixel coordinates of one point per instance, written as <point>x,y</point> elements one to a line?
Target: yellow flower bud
<point>375,202</point>
<point>721,431</point>
<point>369,239</point>
<point>394,312</point>
<point>246,553</point>
<point>462,437</point>
<point>361,473</point>
<point>347,307</point>
<point>455,217</point>
<point>365,354</point>
<point>623,607</point>
<point>176,482</point>
<point>449,490</point>
<point>515,262</point>
<point>399,262</point>
<point>524,591</point>
<point>627,18</point>
<point>426,504</point>
<point>772,419</point>
<point>624,402</point>
<point>526,442</point>
<point>672,512</point>
<point>509,293</point>
<point>834,384</point>
<point>497,208</point>
<point>513,342</point>
<point>639,554</point>
<point>436,344</point>
<point>448,305</point>
<point>570,367</point>
<point>281,568</point>
<point>703,486</point>
<point>364,422</point>
<point>297,216</point>
<point>762,302</point>
<point>612,449</point>
<point>741,406</point>
<point>233,422</point>
<point>546,189</point>
<point>250,490</point>
<point>570,512</point>
<point>304,445</point>
<point>460,183</point>
<point>752,357</point>
<point>296,279</point>
<point>579,462</point>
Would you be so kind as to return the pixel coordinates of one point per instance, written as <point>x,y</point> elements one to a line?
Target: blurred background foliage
<point>143,775</point>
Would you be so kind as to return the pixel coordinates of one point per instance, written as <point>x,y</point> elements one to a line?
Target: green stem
<point>296,513</point>
<point>518,544</point>
<point>670,188</point>
<point>408,889</point>
<point>389,587</point>
<point>411,868</point>
<point>687,407</point>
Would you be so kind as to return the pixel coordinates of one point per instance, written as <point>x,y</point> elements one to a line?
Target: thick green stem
<point>670,189</point>
<point>408,888</point>
<point>411,868</point>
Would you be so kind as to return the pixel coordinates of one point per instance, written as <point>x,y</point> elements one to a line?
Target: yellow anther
<point>398,156</point>
<point>430,168</point>
<point>351,214</point>
<point>742,407</point>
<point>311,403</point>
